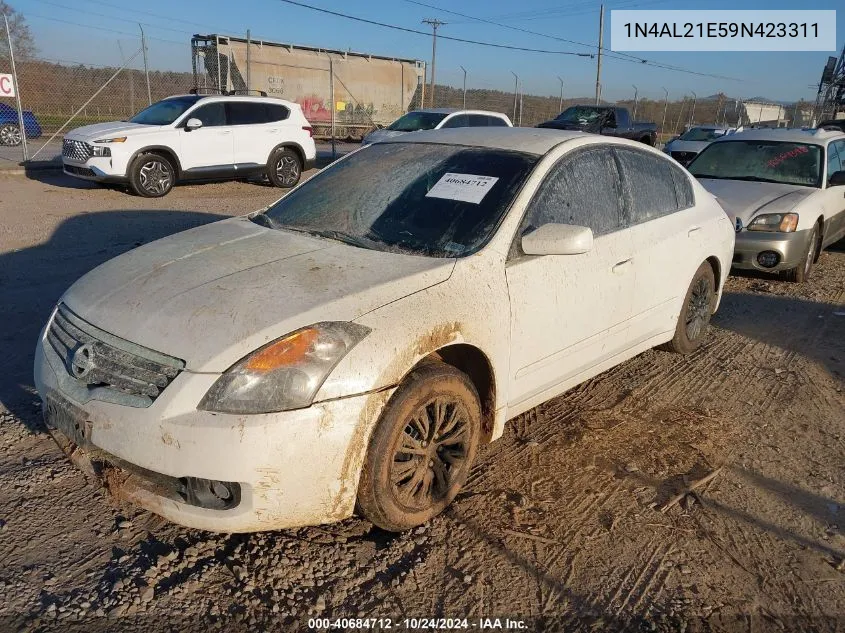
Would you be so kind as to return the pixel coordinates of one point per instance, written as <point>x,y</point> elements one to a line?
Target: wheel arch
<point>296,147</point>
<point>819,223</point>
<point>163,150</point>
<point>716,265</point>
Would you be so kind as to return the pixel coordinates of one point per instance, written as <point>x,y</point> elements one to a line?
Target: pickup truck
<point>607,120</point>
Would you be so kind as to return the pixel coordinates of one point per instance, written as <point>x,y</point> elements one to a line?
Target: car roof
<point>787,135</point>
<point>458,110</point>
<point>530,140</point>
<point>250,98</point>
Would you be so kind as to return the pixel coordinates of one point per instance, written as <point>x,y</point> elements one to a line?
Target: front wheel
<point>422,448</point>
<point>151,176</point>
<point>284,168</point>
<point>10,135</point>
<point>801,272</point>
<point>695,313</point>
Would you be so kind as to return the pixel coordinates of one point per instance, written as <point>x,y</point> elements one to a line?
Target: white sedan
<point>356,342</point>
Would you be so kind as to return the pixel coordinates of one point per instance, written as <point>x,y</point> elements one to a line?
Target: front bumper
<point>293,468</point>
<point>96,169</point>
<point>790,248</point>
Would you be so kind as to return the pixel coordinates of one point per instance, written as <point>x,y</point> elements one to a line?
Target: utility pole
<point>692,113</point>
<point>665,106</point>
<point>435,23</point>
<point>146,66</point>
<point>601,45</point>
<point>515,93</point>
<point>465,86</point>
<point>560,105</point>
<point>636,95</point>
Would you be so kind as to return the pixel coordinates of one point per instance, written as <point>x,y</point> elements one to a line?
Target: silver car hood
<point>381,135</point>
<point>687,146</point>
<point>213,294</point>
<point>744,200</point>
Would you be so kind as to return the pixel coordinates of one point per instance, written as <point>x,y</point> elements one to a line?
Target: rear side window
<point>246,113</point>
<point>494,121</point>
<point>276,112</point>
<point>459,120</point>
<point>648,185</point>
<point>683,188</point>
<point>583,189</point>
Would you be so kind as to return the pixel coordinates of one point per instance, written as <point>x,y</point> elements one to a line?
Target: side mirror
<point>558,239</point>
<point>193,124</point>
<point>837,179</point>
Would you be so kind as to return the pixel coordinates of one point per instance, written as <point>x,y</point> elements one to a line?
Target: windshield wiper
<point>710,176</point>
<point>757,179</point>
<point>340,236</point>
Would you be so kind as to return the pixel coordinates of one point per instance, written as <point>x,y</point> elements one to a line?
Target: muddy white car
<point>354,344</point>
<point>785,192</point>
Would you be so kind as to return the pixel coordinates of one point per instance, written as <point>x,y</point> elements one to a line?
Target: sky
<point>100,31</point>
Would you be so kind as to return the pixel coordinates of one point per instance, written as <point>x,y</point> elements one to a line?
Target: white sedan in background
<point>785,191</point>
<point>437,119</point>
<point>355,343</point>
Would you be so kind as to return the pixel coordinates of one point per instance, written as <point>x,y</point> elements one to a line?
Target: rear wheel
<point>151,175</point>
<point>422,449</point>
<point>284,168</point>
<point>801,273</point>
<point>696,312</point>
<point>10,135</point>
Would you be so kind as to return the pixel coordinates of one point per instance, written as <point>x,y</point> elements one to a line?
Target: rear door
<point>254,135</point>
<point>210,148</point>
<point>569,313</point>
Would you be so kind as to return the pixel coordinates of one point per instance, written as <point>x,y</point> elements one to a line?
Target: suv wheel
<point>284,168</point>
<point>151,175</point>
<point>10,135</point>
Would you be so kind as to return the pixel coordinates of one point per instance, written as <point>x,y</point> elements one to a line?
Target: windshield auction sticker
<point>723,30</point>
<point>463,187</point>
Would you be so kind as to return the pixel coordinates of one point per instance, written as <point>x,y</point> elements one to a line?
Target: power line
<point>607,52</point>
<point>445,37</point>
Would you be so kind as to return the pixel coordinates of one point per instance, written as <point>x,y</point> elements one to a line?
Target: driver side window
<point>834,158</point>
<point>211,114</point>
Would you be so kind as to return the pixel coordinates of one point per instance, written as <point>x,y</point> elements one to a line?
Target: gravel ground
<point>560,525</point>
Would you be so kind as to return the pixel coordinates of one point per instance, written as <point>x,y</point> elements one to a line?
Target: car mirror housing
<point>558,239</point>
<point>837,179</point>
<point>193,124</point>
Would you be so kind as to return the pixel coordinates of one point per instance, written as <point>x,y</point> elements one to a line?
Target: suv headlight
<point>117,139</point>
<point>285,374</point>
<point>775,222</point>
<point>101,151</point>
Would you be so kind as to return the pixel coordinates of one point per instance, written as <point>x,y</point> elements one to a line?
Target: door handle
<point>273,131</point>
<point>622,266</point>
<point>225,132</point>
<point>693,230</point>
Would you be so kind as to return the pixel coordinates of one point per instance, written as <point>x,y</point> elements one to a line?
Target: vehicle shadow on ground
<point>789,323</point>
<point>57,178</point>
<point>33,279</point>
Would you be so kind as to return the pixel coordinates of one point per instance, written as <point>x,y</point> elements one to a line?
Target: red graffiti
<point>777,160</point>
<point>314,109</point>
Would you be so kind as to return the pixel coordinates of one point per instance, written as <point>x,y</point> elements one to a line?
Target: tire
<point>801,273</point>
<point>151,175</point>
<point>647,141</point>
<point>10,135</point>
<point>284,169</point>
<point>399,490</point>
<point>695,313</point>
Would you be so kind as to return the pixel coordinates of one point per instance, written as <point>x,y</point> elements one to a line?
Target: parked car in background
<point>785,192</point>
<point>437,119</point>
<point>10,127</point>
<point>607,120</point>
<point>685,147</point>
<point>194,137</point>
<point>836,124</point>
<point>353,344</point>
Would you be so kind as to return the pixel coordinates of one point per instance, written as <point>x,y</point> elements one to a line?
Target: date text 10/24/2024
<point>417,624</point>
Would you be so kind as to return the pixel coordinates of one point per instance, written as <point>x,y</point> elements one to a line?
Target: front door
<point>569,313</point>
<point>208,150</point>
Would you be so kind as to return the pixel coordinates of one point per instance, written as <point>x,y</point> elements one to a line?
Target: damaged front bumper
<point>214,471</point>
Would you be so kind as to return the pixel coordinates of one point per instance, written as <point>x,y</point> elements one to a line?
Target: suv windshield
<point>581,114</point>
<point>165,112</point>
<point>701,134</point>
<point>433,200</point>
<point>763,161</point>
<point>415,121</point>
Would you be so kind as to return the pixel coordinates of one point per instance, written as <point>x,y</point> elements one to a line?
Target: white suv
<point>194,137</point>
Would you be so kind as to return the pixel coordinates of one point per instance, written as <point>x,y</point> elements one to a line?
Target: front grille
<point>76,150</point>
<point>79,171</point>
<point>99,360</point>
<point>684,157</point>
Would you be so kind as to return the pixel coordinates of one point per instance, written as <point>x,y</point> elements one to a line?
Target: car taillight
<point>308,129</point>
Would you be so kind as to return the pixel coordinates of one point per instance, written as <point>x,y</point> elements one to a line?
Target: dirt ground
<point>560,526</point>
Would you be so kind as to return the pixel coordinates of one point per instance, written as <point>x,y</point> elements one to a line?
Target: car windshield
<point>701,134</point>
<point>164,112</point>
<point>415,121</point>
<point>763,161</point>
<point>581,114</point>
<point>415,198</point>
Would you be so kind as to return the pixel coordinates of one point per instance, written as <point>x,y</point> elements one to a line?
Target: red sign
<point>7,86</point>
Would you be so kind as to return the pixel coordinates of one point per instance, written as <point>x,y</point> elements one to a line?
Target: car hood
<point>687,146</point>
<point>213,294</point>
<point>743,200</point>
<point>111,129</point>
<point>381,135</point>
<point>557,124</point>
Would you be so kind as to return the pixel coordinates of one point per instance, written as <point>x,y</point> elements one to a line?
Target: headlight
<point>101,151</point>
<point>287,373</point>
<point>780,222</point>
<point>117,139</point>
